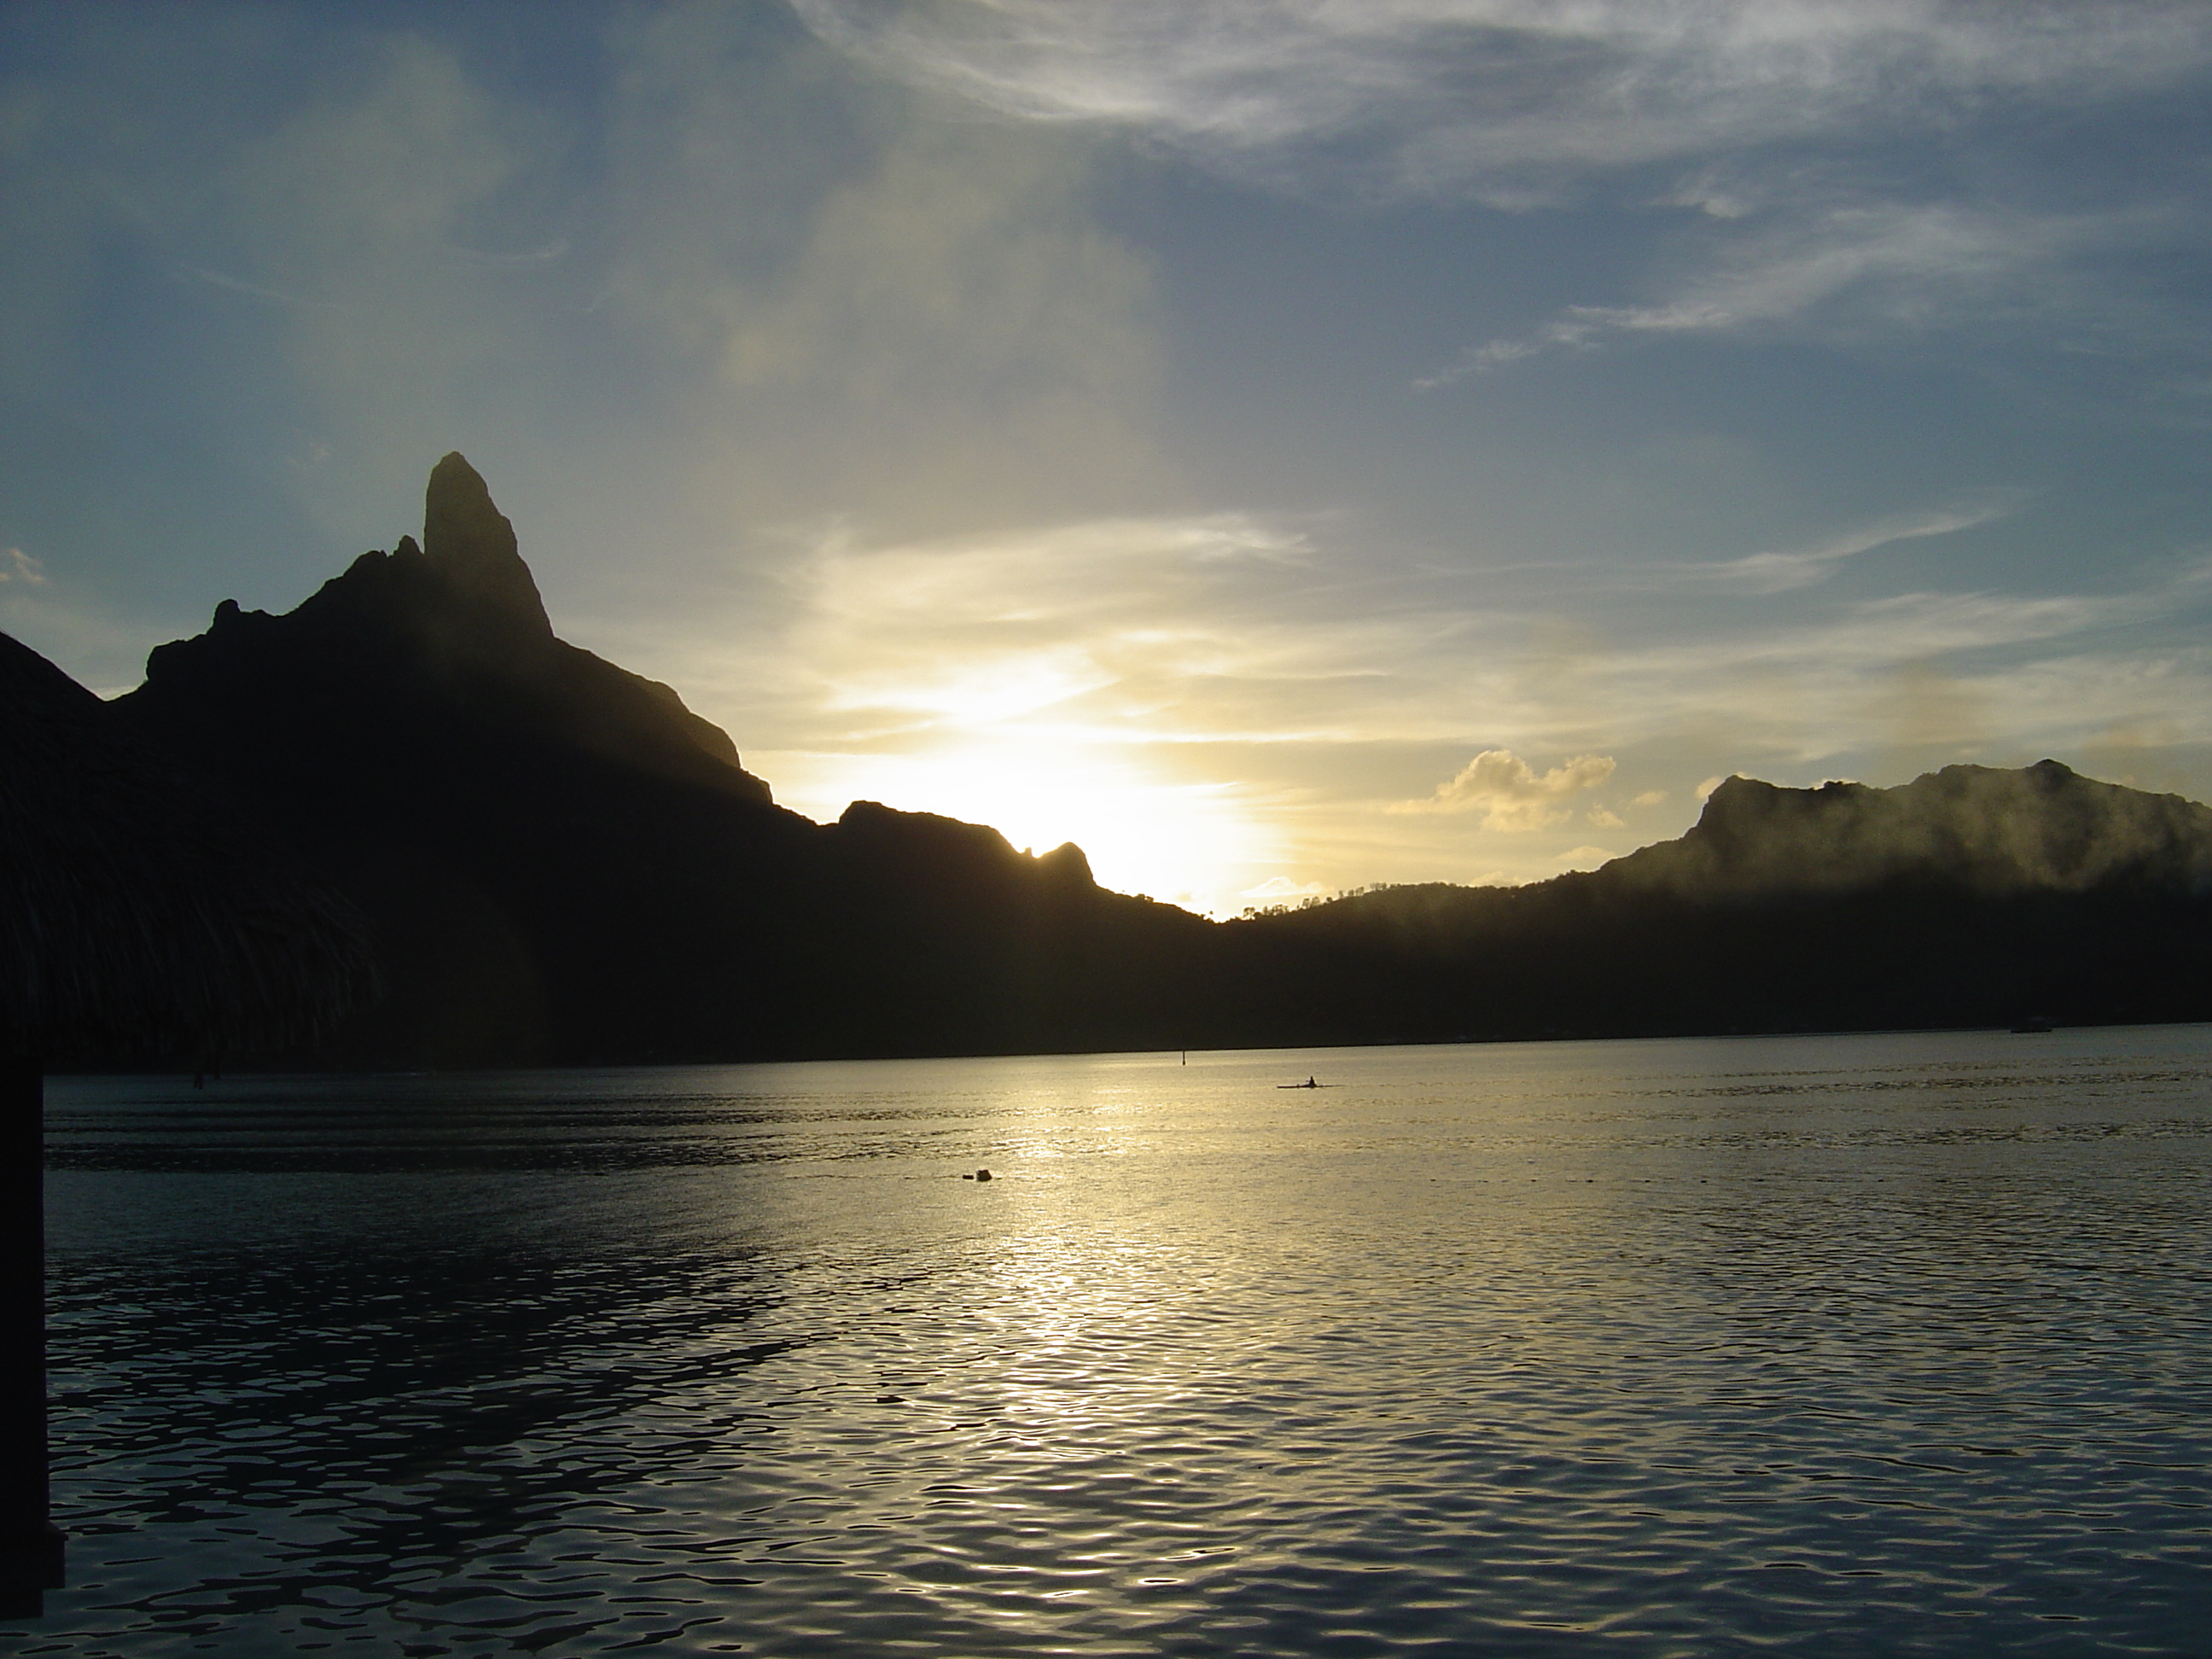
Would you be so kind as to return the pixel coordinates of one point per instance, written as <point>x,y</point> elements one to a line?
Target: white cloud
<point>17,566</point>
<point>1509,793</point>
<point>1601,819</point>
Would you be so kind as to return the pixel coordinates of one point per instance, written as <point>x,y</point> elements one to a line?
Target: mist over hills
<point>1986,829</point>
<point>1974,896</point>
<point>564,864</point>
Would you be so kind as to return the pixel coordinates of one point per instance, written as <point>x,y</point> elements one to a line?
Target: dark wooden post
<point>30,1543</point>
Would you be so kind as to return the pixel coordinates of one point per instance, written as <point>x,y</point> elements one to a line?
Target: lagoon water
<point>1818,1346</point>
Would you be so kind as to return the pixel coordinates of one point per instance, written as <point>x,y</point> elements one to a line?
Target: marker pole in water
<point>30,1545</point>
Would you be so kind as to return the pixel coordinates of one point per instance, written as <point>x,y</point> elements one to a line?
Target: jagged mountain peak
<point>469,544</point>
<point>451,636</point>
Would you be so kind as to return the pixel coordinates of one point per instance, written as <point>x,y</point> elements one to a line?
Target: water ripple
<point>1816,1346</point>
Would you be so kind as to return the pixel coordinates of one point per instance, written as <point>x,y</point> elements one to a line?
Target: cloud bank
<point>1510,794</point>
<point>1847,168</point>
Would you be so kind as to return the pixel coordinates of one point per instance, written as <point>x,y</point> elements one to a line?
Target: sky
<point>1279,444</point>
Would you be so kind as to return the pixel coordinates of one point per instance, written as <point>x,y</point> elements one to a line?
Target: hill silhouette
<point>563,865</point>
<point>1987,829</point>
<point>1974,896</point>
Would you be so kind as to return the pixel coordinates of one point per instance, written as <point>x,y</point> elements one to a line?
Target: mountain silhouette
<point>1973,896</point>
<point>564,864</point>
<point>451,635</point>
<point>1988,829</point>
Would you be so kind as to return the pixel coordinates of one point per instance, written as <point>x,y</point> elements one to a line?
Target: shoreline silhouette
<point>563,866</point>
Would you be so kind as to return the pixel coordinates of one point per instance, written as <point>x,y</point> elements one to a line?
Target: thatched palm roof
<point>138,914</point>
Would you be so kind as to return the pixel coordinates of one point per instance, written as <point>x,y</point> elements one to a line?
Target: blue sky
<point>1280,445</point>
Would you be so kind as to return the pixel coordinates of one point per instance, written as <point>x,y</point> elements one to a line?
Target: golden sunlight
<point>1189,844</point>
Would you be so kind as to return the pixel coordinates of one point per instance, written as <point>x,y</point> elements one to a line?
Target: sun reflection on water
<point>1699,1345</point>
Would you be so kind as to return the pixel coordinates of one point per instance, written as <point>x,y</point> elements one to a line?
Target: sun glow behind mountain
<point>1189,844</point>
<point>1034,681</point>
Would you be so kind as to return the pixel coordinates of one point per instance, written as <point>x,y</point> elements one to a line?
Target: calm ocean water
<point>1820,1345</point>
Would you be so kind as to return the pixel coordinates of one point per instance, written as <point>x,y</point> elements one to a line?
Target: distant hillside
<point>1974,896</point>
<point>2038,829</point>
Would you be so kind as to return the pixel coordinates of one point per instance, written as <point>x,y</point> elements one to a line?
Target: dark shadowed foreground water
<point>1885,1345</point>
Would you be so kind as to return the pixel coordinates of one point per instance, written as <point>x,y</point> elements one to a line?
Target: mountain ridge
<point>566,866</point>
<point>1972,896</point>
<point>1993,828</point>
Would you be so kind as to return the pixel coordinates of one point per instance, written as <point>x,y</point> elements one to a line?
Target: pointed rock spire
<point>470,543</point>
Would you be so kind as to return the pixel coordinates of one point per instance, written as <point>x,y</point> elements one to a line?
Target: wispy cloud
<point>1232,631</point>
<point>1132,630</point>
<point>1856,272</point>
<point>1506,98</point>
<point>255,290</point>
<point>17,566</point>
<point>1865,165</point>
<point>1781,572</point>
<point>1969,675</point>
